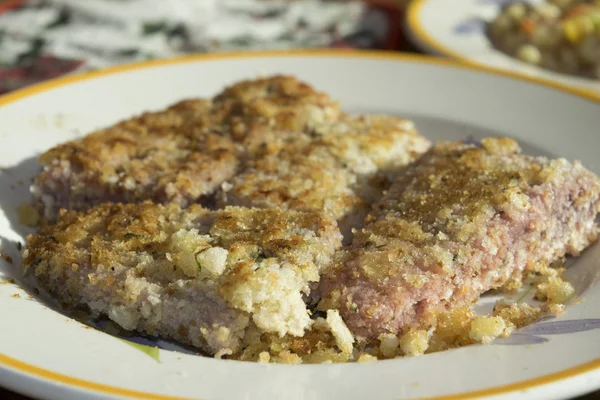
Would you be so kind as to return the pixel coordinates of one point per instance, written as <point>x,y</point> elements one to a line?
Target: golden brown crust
<point>460,221</point>
<point>299,175</point>
<point>286,102</point>
<point>195,275</point>
<point>256,112</point>
<point>339,167</point>
<point>371,143</point>
<point>133,166</point>
<point>180,154</point>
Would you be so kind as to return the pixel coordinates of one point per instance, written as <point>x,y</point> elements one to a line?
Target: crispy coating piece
<point>372,143</point>
<point>255,112</point>
<point>340,167</point>
<point>373,148</point>
<point>181,154</point>
<point>297,176</point>
<point>460,221</point>
<point>285,102</point>
<point>131,163</point>
<point>198,276</point>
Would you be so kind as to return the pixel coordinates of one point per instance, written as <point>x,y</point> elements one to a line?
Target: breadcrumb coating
<point>460,221</point>
<point>181,154</point>
<point>340,167</point>
<point>198,276</point>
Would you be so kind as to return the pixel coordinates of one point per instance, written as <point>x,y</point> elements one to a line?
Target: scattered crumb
<point>6,258</point>
<point>511,286</point>
<point>554,309</point>
<point>555,290</point>
<point>486,329</point>
<point>414,343</point>
<point>7,281</point>
<point>388,344</point>
<point>343,336</point>
<point>577,301</point>
<point>223,352</point>
<point>264,357</point>
<point>452,330</point>
<point>545,269</point>
<point>517,314</point>
<point>365,357</point>
<point>286,357</point>
<point>16,296</point>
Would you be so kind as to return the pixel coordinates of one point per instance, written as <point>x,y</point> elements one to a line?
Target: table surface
<point>394,41</point>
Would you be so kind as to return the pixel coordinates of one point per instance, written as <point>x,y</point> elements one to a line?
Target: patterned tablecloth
<point>44,39</point>
<point>40,40</point>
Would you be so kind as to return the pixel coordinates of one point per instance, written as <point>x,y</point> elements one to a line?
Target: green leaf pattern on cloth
<point>105,32</point>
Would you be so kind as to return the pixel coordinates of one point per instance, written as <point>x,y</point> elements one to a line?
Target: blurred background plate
<point>43,39</point>
<point>457,29</point>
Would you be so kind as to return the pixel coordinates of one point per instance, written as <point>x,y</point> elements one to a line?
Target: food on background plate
<point>263,275</point>
<point>560,35</point>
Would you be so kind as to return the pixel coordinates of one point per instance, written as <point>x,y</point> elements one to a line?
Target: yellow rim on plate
<point>49,85</point>
<point>413,19</point>
<point>372,54</point>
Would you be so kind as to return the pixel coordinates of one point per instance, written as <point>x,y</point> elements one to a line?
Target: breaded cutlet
<point>181,154</point>
<point>340,167</point>
<point>198,276</point>
<point>284,102</point>
<point>255,112</point>
<point>462,220</point>
<point>130,163</point>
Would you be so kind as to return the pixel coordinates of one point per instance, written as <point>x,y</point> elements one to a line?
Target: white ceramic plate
<point>456,29</point>
<point>45,354</point>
